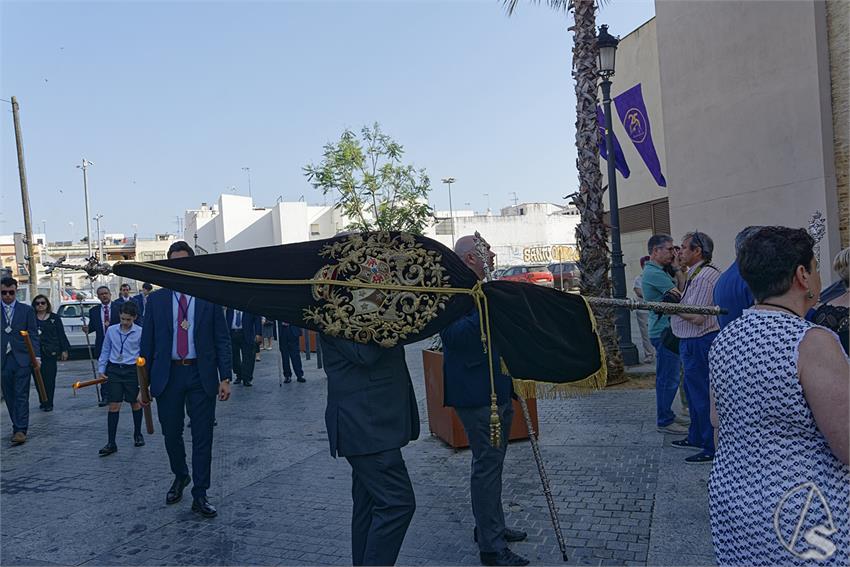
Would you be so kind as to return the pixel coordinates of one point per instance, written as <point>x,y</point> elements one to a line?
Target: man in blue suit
<point>17,317</point>
<point>185,344</point>
<point>246,332</point>
<point>100,318</point>
<point>371,415</point>
<point>290,350</point>
<point>466,375</point>
<point>142,301</point>
<point>124,296</point>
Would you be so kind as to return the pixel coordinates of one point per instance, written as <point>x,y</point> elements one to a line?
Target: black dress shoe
<point>287,379</point>
<point>301,379</point>
<point>175,493</point>
<point>102,403</point>
<point>138,440</point>
<point>238,381</point>
<point>203,507</point>
<point>247,384</point>
<point>504,557</point>
<point>509,535</point>
<point>108,449</point>
<point>47,408</point>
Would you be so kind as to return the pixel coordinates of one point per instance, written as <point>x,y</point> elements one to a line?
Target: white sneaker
<point>673,429</point>
<point>682,420</point>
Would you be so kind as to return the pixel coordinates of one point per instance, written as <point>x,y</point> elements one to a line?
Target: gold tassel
<point>495,423</point>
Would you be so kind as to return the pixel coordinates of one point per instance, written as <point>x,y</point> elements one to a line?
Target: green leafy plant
<point>375,190</point>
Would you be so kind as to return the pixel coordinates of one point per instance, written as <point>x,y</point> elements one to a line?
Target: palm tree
<point>592,232</point>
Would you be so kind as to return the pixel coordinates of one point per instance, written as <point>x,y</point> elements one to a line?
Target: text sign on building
<point>553,253</point>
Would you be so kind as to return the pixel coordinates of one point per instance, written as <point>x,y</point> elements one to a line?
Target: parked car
<point>497,274</point>
<point>74,315</point>
<point>565,275</point>
<point>539,275</point>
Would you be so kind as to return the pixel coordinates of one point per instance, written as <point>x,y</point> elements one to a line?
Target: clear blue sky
<point>171,100</point>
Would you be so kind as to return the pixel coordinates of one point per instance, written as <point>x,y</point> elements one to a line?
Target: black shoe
<point>700,458</point>
<point>301,379</point>
<point>47,408</point>
<point>203,507</point>
<point>138,440</point>
<point>684,444</point>
<point>102,403</point>
<point>215,422</point>
<point>108,449</point>
<point>509,535</point>
<point>287,379</point>
<point>504,557</point>
<point>247,384</point>
<point>175,493</point>
<point>238,381</point>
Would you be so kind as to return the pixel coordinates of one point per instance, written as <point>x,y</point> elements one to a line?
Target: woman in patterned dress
<point>779,490</point>
<point>834,312</point>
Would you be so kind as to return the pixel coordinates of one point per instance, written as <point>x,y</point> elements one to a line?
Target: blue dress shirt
<point>119,347</point>
<point>190,315</point>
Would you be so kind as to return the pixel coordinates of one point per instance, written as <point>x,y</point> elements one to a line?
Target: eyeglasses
<point>8,292</point>
<point>40,303</point>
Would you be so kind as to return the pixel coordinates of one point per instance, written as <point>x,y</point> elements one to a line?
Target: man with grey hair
<point>467,388</point>
<point>731,291</point>
<point>695,334</point>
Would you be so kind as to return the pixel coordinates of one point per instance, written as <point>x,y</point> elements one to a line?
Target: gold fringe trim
<point>548,391</point>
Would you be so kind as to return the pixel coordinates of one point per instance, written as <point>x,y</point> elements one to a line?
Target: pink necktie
<point>105,309</point>
<point>182,334</point>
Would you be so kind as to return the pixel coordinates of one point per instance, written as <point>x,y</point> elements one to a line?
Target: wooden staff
<point>36,368</point>
<point>85,384</point>
<point>144,391</point>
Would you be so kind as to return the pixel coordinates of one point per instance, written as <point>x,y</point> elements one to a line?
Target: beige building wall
<point>745,88</point>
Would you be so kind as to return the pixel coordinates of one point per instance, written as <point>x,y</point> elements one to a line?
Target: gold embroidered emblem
<point>383,316</point>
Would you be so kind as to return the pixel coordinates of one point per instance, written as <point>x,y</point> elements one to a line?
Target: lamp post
<point>607,52</point>
<point>85,167</point>
<point>448,181</point>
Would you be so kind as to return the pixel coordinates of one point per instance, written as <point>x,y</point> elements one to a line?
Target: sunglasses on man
<point>8,292</point>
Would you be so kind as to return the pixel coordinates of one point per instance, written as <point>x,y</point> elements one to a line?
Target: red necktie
<point>182,334</point>
<point>105,309</point>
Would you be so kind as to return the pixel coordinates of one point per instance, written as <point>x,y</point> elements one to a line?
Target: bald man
<point>467,389</point>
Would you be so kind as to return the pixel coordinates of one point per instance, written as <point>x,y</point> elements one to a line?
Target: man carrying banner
<point>467,389</point>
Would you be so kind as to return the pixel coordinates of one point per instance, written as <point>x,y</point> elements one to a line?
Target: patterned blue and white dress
<point>777,494</point>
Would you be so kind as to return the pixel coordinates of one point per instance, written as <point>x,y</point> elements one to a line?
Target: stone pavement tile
<point>283,500</point>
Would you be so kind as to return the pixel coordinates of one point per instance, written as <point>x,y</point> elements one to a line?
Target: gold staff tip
<point>140,361</point>
<point>24,333</point>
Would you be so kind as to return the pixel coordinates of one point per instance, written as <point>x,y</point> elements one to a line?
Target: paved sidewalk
<point>624,495</point>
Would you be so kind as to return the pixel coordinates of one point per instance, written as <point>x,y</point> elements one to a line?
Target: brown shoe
<point>19,438</point>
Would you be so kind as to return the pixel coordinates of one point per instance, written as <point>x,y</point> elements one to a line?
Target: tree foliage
<point>374,189</point>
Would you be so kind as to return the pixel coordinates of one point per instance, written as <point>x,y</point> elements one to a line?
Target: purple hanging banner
<point>619,158</point>
<point>635,119</point>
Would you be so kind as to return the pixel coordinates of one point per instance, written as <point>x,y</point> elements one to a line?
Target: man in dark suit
<point>125,295</point>
<point>246,331</point>
<point>142,301</point>
<point>371,414</point>
<point>290,351</point>
<point>466,375</point>
<point>185,344</point>
<point>100,318</point>
<point>17,317</point>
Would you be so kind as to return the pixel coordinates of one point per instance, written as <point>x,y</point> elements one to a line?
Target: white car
<point>74,315</point>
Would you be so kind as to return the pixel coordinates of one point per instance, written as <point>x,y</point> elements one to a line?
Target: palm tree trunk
<point>592,232</point>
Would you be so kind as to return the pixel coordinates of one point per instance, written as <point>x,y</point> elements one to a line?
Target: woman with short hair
<point>53,342</point>
<point>779,490</point>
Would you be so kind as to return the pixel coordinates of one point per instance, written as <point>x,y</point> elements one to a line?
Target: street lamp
<point>606,57</point>
<point>85,167</point>
<point>448,181</point>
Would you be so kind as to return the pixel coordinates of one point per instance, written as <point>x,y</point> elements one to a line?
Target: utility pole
<point>85,167</point>
<point>448,181</point>
<point>25,201</point>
